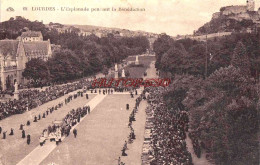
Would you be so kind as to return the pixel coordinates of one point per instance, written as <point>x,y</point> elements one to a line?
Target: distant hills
<point>13,28</point>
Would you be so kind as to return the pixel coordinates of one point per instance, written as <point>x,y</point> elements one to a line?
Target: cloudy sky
<point>170,16</point>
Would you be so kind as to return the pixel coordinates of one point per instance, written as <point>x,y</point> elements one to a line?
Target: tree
<point>37,70</point>
<point>224,114</point>
<point>240,59</point>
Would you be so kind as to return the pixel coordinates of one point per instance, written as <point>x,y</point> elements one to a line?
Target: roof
<point>31,34</point>
<point>9,47</point>
<point>37,47</point>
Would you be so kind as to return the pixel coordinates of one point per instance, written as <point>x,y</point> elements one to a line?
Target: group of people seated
<point>63,127</point>
<point>29,99</point>
<point>168,132</point>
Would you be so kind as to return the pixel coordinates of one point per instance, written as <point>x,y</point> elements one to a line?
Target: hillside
<point>232,19</point>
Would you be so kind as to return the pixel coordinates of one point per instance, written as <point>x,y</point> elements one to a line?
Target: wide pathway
<point>101,135</point>
<point>41,152</point>
<point>14,148</point>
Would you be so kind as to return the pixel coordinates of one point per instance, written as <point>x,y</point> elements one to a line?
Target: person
<point>57,140</point>
<point>12,132</point>
<point>35,119</point>
<point>21,127</point>
<point>23,134</point>
<point>119,160</point>
<point>43,115</point>
<point>78,118</point>
<point>28,123</point>
<point>86,96</point>
<point>123,152</point>
<point>52,136</point>
<point>28,139</point>
<point>135,92</point>
<point>0,129</point>
<point>4,135</point>
<point>47,112</point>
<point>88,109</point>
<point>125,145</point>
<point>42,140</point>
<point>75,132</point>
<point>127,106</point>
<point>39,117</point>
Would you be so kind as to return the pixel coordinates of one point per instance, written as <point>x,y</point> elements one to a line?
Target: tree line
<point>83,56</point>
<point>76,56</point>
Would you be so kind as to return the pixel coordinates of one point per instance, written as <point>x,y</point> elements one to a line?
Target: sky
<point>160,16</point>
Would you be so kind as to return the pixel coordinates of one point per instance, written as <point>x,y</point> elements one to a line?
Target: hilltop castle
<point>240,12</point>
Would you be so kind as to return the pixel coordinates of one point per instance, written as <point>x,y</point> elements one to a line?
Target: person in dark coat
<point>88,109</point>
<point>39,117</point>
<point>28,139</point>
<point>35,119</point>
<point>127,106</point>
<point>78,118</point>
<point>28,123</point>
<point>12,132</point>
<point>21,127</point>
<point>0,129</point>
<point>123,152</point>
<point>75,132</point>
<point>132,95</point>
<point>86,96</point>
<point>43,115</point>
<point>23,134</point>
<point>4,135</point>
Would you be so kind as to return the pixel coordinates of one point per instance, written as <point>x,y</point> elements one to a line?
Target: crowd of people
<point>169,127</point>
<point>132,135</point>
<point>56,131</point>
<point>29,99</point>
<point>63,127</point>
<point>195,144</point>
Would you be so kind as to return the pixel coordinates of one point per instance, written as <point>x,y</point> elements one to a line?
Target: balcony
<point>8,68</point>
